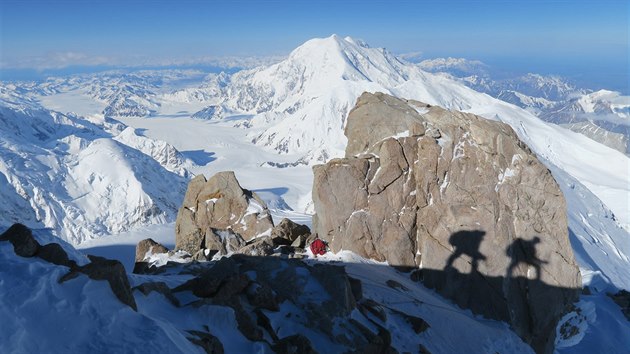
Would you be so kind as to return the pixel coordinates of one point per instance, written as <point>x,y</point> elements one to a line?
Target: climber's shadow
<point>524,252</point>
<point>466,243</point>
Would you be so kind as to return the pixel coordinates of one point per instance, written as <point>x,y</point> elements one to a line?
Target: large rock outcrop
<point>459,197</point>
<point>219,203</point>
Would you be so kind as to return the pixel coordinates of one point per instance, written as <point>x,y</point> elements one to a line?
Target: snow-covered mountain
<point>602,115</point>
<point>83,178</point>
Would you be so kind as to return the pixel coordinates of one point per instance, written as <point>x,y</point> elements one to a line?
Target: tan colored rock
<point>289,230</point>
<point>148,246</point>
<point>219,203</point>
<point>461,198</point>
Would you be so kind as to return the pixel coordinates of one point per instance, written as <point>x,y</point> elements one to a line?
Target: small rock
<point>148,245</point>
<point>21,237</point>
<point>299,241</point>
<point>200,256</point>
<point>260,247</point>
<point>369,306</point>
<point>396,285</point>
<point>289,230</point>
<point>160,287</point>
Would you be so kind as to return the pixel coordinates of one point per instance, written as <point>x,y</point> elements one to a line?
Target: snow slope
<point>82,178</point>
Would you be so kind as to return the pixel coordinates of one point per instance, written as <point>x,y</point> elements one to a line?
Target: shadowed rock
<point>21,237</point>
<point>289,230</point>
<point>107,269</point>
<point>54,253</point>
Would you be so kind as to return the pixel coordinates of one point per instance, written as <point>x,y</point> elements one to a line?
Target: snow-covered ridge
<point>83,178</point>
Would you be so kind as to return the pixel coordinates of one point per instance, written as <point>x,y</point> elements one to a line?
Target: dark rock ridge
<point>220,217</point>
<point>25,245</point>
<point>431,189</point>
<point>254,287</point>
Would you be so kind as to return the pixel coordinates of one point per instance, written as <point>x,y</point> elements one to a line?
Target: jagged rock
<point>370,307</point>
<point>208,283</point>
<point>219,203</point>
<point>289,230</point>
<point>160,287</point>
<point>54,253</point>
<point>209,343</point>
<point>458,196</point>
<point>295,344</point>
<point>113,271</point>
<point>336,282</point>
<point>148,245</point>
<point>377,343</point>
<point>418,324</point>
<point>260,247</point>
<point>299,242</point>
<point>231,287</point>
<point>200,256</point>
<point>223,242</point>
<point>21,237</point>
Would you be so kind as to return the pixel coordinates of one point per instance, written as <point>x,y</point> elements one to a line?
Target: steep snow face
<point>603,116</point>
<point>67,173</point>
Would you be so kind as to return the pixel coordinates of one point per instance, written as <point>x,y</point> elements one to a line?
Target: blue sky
<point>587,39</point>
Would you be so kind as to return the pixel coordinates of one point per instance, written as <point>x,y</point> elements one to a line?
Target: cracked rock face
<point>219,203</point>
<point>458,196</point>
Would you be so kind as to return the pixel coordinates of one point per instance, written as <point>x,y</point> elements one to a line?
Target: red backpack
<point>318,247</point>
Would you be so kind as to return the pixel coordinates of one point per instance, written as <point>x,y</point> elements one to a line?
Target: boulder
<point>289,230</point>
<point>223,242</point>
<point>21,237</point>
<point>54,253</point>
<point>111,270</point>
<point>260,247</point>
<point>148,246</point>
<point>458,196</point>
<point>219,203</point>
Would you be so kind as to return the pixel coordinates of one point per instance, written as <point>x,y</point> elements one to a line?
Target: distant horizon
<point>584,41</point>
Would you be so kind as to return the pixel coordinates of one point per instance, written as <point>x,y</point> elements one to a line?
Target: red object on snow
<point>318,247</point>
